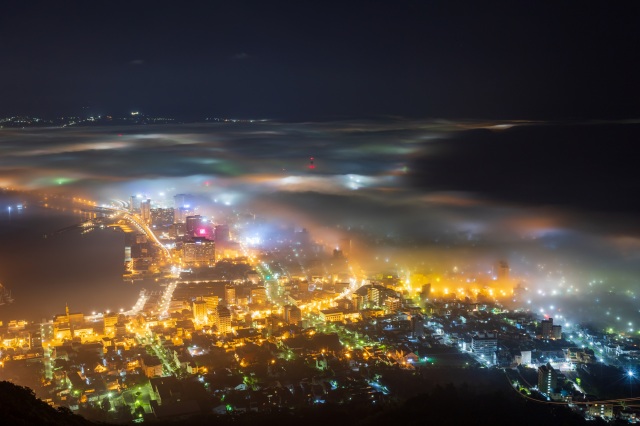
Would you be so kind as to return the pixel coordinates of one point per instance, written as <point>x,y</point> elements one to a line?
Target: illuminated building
<point>200,311</point>
<point>64,324</point>
<point>110,320</point>
<point>138,253</point>
<point>601,410</point>
<point>523,358</point>
<point>223,320</point>
<point>485,345</point>
<point>253,276</point>
<point>46,331</point>
<point>145,211</point>
<point>373,296</point>
<point>121,328</point>
<point>259,295</point>
<point>228,250</point>
<point>211,303</point>
<point>134,204</point>
<point>292,314</point>
<point>392,304</point>
<point>151,365</point>
<point>162,217</point>
<point>547,379</point>
<point>199,251</point>
<point>358,301</point>
<point>547,328</point>
<point>192,224</point>
<point>332,315</point>
<point>230,295</point>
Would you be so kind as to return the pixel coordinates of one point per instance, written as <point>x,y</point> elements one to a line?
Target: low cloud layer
<point>560,194</point>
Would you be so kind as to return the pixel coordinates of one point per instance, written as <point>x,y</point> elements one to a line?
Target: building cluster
<point>194,240</point>
<point>248,329</point>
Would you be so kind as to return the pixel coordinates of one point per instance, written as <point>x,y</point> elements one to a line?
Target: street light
<point>630,374</point>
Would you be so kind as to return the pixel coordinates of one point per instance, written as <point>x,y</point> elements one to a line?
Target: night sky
<point>322,59</point>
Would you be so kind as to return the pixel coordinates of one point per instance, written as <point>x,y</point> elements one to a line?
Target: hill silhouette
<point>20,407</point>
<point>448,405</point>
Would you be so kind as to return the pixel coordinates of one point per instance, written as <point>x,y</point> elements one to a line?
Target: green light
<point>229,407</point>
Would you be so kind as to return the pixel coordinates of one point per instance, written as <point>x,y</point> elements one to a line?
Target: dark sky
<point>322,59</point>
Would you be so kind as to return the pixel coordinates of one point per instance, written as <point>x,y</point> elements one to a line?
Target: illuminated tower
<point>259,295</point>
<point>199,252</point>
<point>547,328</point>
<point>211,302</point>
<point>133,202</point>
<point>547,378</point>
<point>292,314</point>
<point>230,295</point>
<point>110,320</point>
<point>200,311</point>
<point>68,315</point>
<point>145,211</point>
<point>223,320</point>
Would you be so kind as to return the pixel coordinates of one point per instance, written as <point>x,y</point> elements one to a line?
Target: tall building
<point>193,222</point>
<point>556,332</point>
<point>358,301</point>
<point>110,319</point>
<point>134,203</point>
<point>485,345</point>
<point>65,324</point>
<point>259,295</point>
<point>200,311</point>
<point>374,296</point>
<point>199,252</point>
<point>547,328</point>
<point>145,211</point>
<point>223,320</point>
<point>212,303</point>
<point>292,314</point>
<point>392,304</point>
<point>547,379</point>
<point>229,295</point>
<point>162,217</point>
